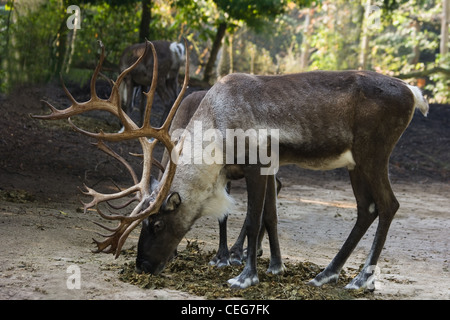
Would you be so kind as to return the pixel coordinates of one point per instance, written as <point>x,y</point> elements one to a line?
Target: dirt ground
<point>44,232</point>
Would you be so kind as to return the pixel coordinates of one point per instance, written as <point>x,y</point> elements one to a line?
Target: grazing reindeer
<point>170,58</point>
<point>321,121</point>
<point>326,120</point>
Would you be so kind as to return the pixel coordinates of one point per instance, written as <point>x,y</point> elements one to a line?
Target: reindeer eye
<point>158,226</point>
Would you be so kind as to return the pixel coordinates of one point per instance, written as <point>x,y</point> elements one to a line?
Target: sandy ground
<point>40,241</point>
<point>45,236</point>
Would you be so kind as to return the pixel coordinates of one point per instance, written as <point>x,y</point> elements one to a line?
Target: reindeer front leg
<point>256,192</point>
<point>222,257</point>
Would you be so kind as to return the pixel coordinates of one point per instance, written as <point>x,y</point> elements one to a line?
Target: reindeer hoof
<point>219,262</point>
<point>236,258</point>
<point>243,281</point>
<point>363,281</point>
<point>323,278</point>
<point>276,269</point>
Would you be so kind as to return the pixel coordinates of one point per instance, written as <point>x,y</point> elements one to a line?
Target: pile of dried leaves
<point>190,272</point>
<point>16,196</point>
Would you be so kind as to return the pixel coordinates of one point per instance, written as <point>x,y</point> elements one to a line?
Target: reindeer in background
<point>171,55</point>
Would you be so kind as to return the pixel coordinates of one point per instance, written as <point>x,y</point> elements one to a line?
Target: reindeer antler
<point>141,188</point>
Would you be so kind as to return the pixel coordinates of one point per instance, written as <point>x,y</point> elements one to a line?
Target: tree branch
<point>424,73</point>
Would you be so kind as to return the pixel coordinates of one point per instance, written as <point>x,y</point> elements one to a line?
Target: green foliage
<point>337,36</point>
<point>440,83</point>
<point>199,17</point>
<point>269,36</point>
<point>29,53</point>
<point>115,26</point>
<point>253,12</point>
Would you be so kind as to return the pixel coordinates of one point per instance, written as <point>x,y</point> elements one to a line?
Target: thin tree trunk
<point>252,50</point>
<point>5,58</point>
<point>416,49</point>
<point>307,31</point>
<point>221,30</point>
<point>365,37</point>
<point>144,28</point>
<point>444,27</point>
<point>69,56</point>
<point>230,47</point>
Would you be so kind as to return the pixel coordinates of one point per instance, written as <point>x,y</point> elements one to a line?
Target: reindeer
<point>170,58</point>
<point>325,120</point>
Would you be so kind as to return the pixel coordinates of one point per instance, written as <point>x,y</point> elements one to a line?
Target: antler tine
<point>114,243</point>
<point>98,197</point>
<point>115,96</point>
<point>158,165</point>
<point>97,71</point>
<point>123,205</point>
<point>119,234</point>
<point>129,69</point>
<point>102,146</point>
<point>180,96</point>
<point>56,114</point>
<point>102,245</point>
<point>151,93</point>
<point>66,91</point>
<point>104,227</point>
<point>154,161</point>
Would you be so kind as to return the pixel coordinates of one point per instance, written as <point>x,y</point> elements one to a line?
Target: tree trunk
<point>144,28</point>
<point>4,56</point>
<point>424,73</point>
<point>71,51</point>
<point>231,54</point>
<point>214,51</point>
<point>416,49</point>
<point>307,32</point>
<point>444,27</point>
<point>365,38</point>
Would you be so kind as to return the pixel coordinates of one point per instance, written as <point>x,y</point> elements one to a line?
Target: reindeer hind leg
<point>385,205</point>
<point>366,216</point>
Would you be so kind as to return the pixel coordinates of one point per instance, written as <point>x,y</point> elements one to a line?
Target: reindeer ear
<point>172,202</point>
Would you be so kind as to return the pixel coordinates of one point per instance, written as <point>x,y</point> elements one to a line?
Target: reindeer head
<point>160,235</point>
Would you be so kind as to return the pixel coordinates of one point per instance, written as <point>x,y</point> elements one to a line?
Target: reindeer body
<point>325,120</point>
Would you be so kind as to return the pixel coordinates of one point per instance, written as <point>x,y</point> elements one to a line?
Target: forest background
<point>407,39</point>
